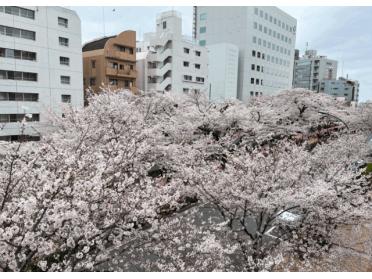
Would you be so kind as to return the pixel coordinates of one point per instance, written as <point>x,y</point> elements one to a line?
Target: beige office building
<point>110,61</point>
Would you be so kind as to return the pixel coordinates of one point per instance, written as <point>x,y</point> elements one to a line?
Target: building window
<point>92,81</point>
<point>252,80</point>
<point>17,11</point>
<point>17,54</point>
<point>252,93</point>
<point>131,67</point>
<point>202,43</point>
<point>18,33</point>
<point>256,11</point>
<point>63,41</point>
<point>15,75</point>
<point>203,16</point>
<point>253,53</point>
<point>258,54</point>
<point>252,66</point>
<point>19,117</point>
<point>257,81</point>
<point>197,66</point>
<point>93,63</point>
<point>188,78</point>
<point>65,79</point>
<point>263,56</point>
<point>202,29</point>
<point>185,63</point>
<point>258,68</point>
<point>64,60</point>
<point>254,39</point>
<point>126,83</point>
<point>197,53</point>
<point>255,25</point>
<point>186,50</point>
<point>164,24</point>
<point>261,13</point>
<point>200,79</point>
<point>63,22</point>
<point>16,96</point>
<point>66,98</point>
<point>113,81</point>
<point>185,90</point>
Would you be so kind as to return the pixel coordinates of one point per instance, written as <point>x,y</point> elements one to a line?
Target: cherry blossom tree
<point>196,185</point>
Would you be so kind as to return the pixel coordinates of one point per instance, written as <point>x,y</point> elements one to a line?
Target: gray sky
<point>341,33</point>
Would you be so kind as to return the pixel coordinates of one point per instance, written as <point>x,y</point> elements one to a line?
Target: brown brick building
<point>110,61</point>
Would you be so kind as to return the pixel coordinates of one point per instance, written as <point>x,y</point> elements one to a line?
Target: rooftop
<point>97,44</point>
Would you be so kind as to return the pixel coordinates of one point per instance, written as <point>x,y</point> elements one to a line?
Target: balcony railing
<point>115,54</point>
<point>121,73</point>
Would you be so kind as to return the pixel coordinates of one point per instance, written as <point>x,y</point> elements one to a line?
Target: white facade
<point>266,38</point>
<point>311,69</point>
<point>40,54</point>
<point>341,88</point>
<point>173,62</point>
<point>223,71</point>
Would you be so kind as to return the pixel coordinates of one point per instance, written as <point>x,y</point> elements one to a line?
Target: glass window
<point>63,22</point>
<point>185,63</point>
<point>203,16</point>
<point>65,79</point>
<point>186,50</point>
<point>4,96</point>
<point>63,41</point>
<point>64,60</point>
<point>253,53</point>
<point>202,43</point>
<point>256,11</point>
<point>2,74</point>
<point>255,25</point>
<point>203,29</point>
<point>197,53</point>
<point>92,81</point>
<point>30,76</point>
<point>164,24</point>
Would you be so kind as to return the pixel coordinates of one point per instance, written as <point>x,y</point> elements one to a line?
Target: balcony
<point>128,73</point>
<point>120,55</point>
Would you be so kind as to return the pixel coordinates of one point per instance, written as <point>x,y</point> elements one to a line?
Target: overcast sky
<point>341,33</point>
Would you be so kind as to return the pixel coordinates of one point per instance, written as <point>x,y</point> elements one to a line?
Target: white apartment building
<point>311,69</point>
<point>341,88</point>
<point>265,37</point>
<point>223,71</point>
<point>169,61</point>
<point>40,67</point>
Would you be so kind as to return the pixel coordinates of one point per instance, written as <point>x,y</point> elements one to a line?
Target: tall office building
<point>169,61</point>
<point>311,69</point>
<point>265,37</point>
<point>40,67</point>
